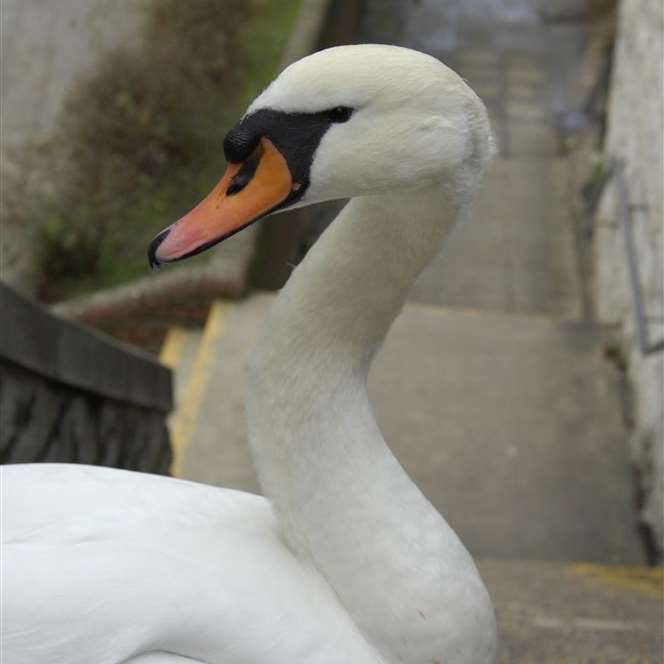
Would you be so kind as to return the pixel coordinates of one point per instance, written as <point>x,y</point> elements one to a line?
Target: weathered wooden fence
<point>68,394</point>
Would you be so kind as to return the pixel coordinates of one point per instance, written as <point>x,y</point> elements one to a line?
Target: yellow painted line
<point>184,424</point>
<point>172,347</point>
<point>645,580</point>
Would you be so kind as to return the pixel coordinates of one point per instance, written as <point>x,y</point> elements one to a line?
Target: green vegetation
<point>140,142</point>
<point>263,39</point>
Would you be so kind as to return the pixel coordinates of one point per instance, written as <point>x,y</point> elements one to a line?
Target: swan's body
<point>102,565</point>
<point>354,564</point>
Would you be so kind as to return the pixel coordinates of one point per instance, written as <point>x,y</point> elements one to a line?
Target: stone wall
<point>635,136</point>
<point>69,394</point>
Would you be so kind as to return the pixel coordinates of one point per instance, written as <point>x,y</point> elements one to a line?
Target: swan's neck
<point>341,496</point>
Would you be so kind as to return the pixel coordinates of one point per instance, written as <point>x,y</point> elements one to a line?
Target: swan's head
<point>348,121</point>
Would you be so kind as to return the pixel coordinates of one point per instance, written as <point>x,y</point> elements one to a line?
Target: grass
<point>139,142</point>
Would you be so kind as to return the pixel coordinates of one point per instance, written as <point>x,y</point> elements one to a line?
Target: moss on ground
<point>139,142</point>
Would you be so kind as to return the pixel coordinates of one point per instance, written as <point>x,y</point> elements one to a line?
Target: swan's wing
<point>101,565</point>
<point>161,658</point>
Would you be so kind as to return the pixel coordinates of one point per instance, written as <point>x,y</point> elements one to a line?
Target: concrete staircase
<point>493,387</point>
<point>512,426</point>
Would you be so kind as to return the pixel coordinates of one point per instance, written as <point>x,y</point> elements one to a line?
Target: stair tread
<point>577,613</point>
<point>510,424</point>
<point>517,254</point>
<point>565,490</point>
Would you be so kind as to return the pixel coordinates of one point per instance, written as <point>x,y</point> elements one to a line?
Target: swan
<point>345,561</point>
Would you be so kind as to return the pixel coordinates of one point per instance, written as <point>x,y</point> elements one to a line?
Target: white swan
<point>354,564</point>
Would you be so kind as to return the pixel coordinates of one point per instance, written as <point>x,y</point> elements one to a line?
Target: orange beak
<point>228,208</point>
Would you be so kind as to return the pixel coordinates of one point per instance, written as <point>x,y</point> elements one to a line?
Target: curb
<point>186,414</point>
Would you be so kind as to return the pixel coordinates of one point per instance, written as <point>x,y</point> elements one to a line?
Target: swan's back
<point>103,565</point>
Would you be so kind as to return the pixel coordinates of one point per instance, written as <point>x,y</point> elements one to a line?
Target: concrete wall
<point>635,136</point>
<point>47,45</point>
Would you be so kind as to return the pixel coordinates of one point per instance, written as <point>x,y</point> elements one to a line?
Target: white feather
<point>100,565</point>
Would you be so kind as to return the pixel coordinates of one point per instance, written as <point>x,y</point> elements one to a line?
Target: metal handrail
<point>616,170</point>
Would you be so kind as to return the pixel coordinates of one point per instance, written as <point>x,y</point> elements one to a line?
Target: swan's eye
<point>340,114</point>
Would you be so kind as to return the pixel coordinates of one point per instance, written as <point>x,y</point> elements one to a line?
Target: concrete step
<point>498,420</point>
<point>552,613</point>
<point>511,425</point>
<point>517,254</point>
